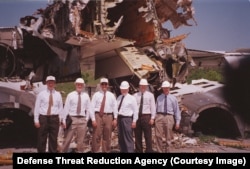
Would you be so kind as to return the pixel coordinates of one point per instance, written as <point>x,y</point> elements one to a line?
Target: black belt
<point>97,112</point>
<point>165,114</point>
<point>52,115</point>
<point>122,116</point>
<point>78,116</point>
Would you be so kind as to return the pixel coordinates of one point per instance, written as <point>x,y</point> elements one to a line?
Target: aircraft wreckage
<point>127,40</point>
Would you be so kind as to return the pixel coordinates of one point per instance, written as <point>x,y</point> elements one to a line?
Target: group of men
<point>134,115</point>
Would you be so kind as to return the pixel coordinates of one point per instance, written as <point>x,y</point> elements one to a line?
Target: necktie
<point>50,103</point>
<point>141,105</point>
<point>165,105</point>
<point>103,104</point>
<point>120,103</point>
<point>78,109</point>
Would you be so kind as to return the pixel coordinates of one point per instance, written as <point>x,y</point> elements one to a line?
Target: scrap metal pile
<point>55,40</point>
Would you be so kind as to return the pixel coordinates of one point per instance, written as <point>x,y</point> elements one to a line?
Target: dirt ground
<point>180,144</point>
<point>201,148</point>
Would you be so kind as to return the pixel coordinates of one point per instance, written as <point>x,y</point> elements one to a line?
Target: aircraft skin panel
<point>204,99</point>
<point>116,67</point>
<point>101,46</point>
<point>138,62</point>
<point>11,37</point>
<point>15,98</point>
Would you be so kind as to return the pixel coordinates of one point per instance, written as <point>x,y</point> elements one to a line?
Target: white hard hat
<point>165,84</point>
<point>104,80</point>
<point>52,78</point>
<point>79,80</point>
<point>143,82</point>
<point>124,85</point>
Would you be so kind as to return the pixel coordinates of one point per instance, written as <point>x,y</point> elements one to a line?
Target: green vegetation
<point>89,78</point>
<point>197,73</point>
<point>206,138</point>
<point>205,73</point>
<point>67,87</point>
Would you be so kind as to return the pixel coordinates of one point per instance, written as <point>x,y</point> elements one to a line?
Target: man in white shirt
<point>168,116</point>
<point>47,115</point>
<point>127,117</point>
<point>146,104</point>
<point>78,107</point>
<point>104,117</point>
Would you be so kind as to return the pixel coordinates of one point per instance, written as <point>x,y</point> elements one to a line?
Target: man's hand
<point>151,122</point>
<point>114,123</point>
<point>133,125</point>
<point>63,125</point>
<point>37,125</point>
<point>177,126</point>
<point>94,124</point>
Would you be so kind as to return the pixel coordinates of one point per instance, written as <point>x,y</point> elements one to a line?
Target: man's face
<point>104,86</point>
<point>124,91</point>
<point>165,90</point>
<point>51,84</point>
<point>143,88</point>
<point>79,87</point>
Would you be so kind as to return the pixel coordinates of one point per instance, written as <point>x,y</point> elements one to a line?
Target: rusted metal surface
<point>233,143</point>
<point>6,159</point>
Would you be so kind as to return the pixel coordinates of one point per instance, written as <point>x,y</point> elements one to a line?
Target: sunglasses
<point>104,84</point>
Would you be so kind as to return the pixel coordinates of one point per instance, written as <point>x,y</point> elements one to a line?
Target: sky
<point>222,25</point>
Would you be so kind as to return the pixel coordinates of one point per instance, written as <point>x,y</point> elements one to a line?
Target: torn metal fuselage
<point>152,53</point>
<point>219,109</point>
<point>55,40</point>
<point>68,31</point>
<point>206,110</point>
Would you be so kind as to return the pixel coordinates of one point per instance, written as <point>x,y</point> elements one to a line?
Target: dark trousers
<point>49,127</point>
<point>143,127</point>
<point>125,134</point>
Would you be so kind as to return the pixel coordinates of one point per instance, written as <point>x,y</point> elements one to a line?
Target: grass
<point>66,88</point>
<point>89,78</point>
<point>213,74</point>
